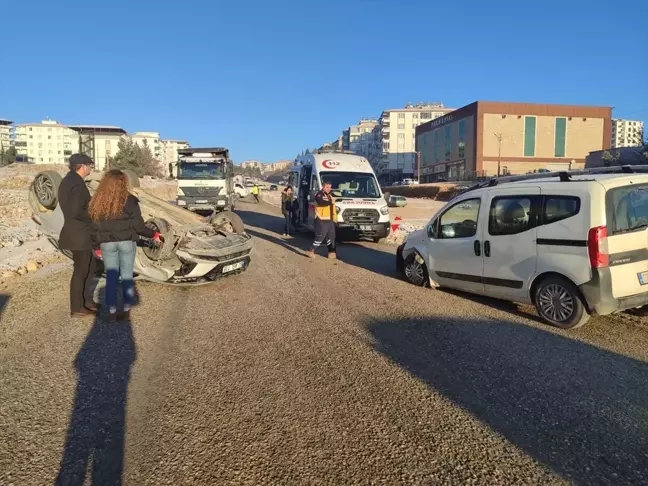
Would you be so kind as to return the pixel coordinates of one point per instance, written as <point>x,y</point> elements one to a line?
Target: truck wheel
<point>228,222</point>
<point>45,188</point>
<point>162,251</point>
<point>559,303</point>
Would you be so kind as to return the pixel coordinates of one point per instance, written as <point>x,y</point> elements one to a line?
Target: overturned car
<point>195,250</point>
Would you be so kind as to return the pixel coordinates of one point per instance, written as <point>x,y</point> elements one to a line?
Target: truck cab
<point>205,180</point>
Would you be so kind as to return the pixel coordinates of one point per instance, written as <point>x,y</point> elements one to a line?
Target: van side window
<point>510,215</point>
<point>314,183</point>
<point>460,221</point>
<point>557,208</point>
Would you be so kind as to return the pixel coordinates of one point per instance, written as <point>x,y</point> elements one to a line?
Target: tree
<point>610,158</point>
<point>139,159</point>
<point>7,156</point>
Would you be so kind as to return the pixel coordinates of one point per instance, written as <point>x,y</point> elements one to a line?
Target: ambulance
<point>361,207</point>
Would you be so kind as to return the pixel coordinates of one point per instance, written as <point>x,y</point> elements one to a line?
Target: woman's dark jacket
<point>128,227</point>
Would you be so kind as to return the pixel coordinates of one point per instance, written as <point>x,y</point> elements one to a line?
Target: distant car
<point>410,182</point>
<point>397,202</point>
<point>249,184</point>
<point>273,187</point>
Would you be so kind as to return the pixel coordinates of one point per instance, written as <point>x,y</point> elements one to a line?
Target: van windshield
<point>352,184</point>
<point>627,208</point>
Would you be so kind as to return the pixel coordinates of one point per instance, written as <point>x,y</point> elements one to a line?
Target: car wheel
<point>133,179</point>
<point>228,222</point>
<point>45,188</point>
<point>164,249</point>
<point>415,270</point>
<point>377,239</point>
<point>559,303</point>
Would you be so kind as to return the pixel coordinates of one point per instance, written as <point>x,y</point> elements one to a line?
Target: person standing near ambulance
<point>325,219</point>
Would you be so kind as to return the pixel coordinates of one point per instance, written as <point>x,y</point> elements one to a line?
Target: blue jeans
<point>119,261</point>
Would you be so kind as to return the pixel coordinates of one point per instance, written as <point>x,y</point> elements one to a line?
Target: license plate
<point>232,267</point>
<point>202,201</point>
<point>365,228</point>
<point>643,278</point>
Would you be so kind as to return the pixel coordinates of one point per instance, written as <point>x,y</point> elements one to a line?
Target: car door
<point>314,187</point>
<point>454,252</point>
<point>510,225</point>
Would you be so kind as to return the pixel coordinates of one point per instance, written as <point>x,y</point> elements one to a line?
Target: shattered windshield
<point>203,170</point>
<point>352,184</point>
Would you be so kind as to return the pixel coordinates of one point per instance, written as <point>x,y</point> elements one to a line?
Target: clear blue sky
<point>270,78</point>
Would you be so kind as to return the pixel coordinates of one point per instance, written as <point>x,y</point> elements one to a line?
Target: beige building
<point>99,142</point>
<point>486,138</point>
<point>362,137</point>
<point>5,134</point>
<point>48,142</point>
<point>393,156</point>
<point>170,154</point>
<point>627,133</point>
<point>252,164</point>
<point>152,139</point>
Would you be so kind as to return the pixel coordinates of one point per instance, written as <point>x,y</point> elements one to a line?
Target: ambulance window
<point>314,183</point>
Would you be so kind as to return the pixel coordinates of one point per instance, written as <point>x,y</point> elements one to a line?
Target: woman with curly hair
<point>118,224</point>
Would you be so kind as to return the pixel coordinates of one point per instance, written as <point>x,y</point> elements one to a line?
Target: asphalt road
<point>303,371</point>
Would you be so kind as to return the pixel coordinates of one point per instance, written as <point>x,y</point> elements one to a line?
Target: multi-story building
<point>48,142</point>
<point>627,133</point>
<point>99,142</point>
<point>393,156</point>
<point>152,139</point>
<point>361,136</point>
<point>170,154</point>
<point>252,164</point>
<point>5,134</point>
<point>485,139</point>
<point>276,166</point>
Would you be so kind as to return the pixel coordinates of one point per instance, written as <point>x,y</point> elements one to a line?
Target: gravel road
<point>303,371</point>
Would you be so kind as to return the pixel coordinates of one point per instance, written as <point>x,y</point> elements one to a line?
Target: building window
<point>30,129</point>
<point>529,136</point>
<point>401,116</point>
<point>461,146</point>
<point>561,137</point>
<point>415,116</point>
<point>386,146</point>
<point>448,144</point>
<point>436,146</point>
<point>426,115</point>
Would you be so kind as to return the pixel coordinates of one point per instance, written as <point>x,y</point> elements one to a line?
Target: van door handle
<point>477,248</point>
<point>487,248</point>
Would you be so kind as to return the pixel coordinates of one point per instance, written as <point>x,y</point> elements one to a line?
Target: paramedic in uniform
<point>325,219</point>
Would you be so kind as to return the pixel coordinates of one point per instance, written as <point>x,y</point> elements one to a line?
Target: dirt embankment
<point>436,192</point>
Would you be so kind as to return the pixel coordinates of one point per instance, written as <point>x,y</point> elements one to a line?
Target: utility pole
<point>499,138</point>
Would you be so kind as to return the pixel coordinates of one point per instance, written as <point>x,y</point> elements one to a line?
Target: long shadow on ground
<point>581,410</point>
<point>377,261</point>
<point>96,432</point>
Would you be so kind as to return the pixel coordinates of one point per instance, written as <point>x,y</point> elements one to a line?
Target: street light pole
<point>499,137</point>
<point>418,161</point>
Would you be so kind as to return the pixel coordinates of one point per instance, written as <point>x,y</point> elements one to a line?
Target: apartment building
<point>362,136</point>
<point>393,156</point>
<point>170,154</point>
<point>252,164</point>
<point>627,133</point>
<point>99,142</point>
<point>47,142</point>
<point>152,139</point>
<point>485,139</point>
<point>5,134</point>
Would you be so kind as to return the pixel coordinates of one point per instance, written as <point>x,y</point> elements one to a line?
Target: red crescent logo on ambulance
<point>330,164</point>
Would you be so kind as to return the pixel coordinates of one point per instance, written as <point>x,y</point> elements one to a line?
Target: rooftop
<point>5,122</point>
<point>97,129</point>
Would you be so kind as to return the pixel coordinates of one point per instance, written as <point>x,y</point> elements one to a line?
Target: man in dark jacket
<point>76,235</point>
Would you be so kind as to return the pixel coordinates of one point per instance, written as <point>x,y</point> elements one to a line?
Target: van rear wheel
<point>559,303</point>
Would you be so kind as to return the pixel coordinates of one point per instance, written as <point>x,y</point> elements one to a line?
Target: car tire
<point>378,239</point>
<point>228,222</point>
<point>133,179</point>
<point>415,271</point>
<point>559,303</point>
<point>164,250</point>
<point>45,187</point>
